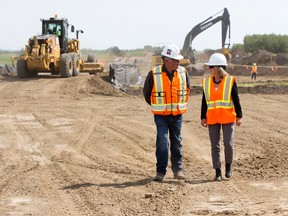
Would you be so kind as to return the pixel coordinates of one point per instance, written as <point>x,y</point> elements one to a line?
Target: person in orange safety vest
<point>220,109</point>
<point>254,71</point>
<point>166,90</point>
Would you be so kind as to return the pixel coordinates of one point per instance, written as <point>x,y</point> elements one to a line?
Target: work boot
<point>218,176</point>
<point>228,172</point>
<point>179,175</point>
<point>159,176</point>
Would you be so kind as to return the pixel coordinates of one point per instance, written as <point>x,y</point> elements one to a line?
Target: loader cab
<point>60,28</point>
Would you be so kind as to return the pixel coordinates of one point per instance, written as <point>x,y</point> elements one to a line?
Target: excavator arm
<point>187,50</point>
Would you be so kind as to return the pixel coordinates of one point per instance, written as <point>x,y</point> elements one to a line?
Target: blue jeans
<point>173,125</point>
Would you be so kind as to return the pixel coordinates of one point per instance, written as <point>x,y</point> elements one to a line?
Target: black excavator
<point>189,53</point>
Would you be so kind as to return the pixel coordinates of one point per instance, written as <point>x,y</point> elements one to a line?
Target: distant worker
<point>220,109</point>
<point>254,71</point>
<point>166,89</point>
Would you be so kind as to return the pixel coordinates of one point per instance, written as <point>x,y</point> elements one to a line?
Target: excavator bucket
<point>226,53</point>
<point>185,62</point>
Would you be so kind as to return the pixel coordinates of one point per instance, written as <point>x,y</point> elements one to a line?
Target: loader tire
<point>76,64</point>
<point>22,71</point>
<point>91,58</point>
<point>66,65</point>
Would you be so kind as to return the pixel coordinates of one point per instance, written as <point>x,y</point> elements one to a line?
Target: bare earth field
<point>78,147</point>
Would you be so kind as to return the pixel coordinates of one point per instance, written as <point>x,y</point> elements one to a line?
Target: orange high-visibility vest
<point>220,107</point>
<point>254,69</point>
<point>169,97</point>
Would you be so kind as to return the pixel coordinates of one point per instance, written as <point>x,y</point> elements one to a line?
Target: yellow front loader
<point>53,52</point>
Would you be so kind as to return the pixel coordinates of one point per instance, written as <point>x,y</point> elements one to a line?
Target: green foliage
<point>237,46</point>
<point>271,43</point>
<point>5,56</point>
<point>115,51</point>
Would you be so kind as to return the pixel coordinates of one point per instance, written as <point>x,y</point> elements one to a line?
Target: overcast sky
<point>132,24</point>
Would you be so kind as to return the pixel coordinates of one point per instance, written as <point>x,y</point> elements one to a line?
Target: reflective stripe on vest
<point>226,101</point>
<point>176,103</point>
<point>220,107</point>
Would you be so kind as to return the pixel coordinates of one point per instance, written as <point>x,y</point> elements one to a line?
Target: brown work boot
<point>159,176</point>
<point>179,175</point>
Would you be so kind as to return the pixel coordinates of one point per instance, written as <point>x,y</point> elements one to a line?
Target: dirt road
<point>77,147</point>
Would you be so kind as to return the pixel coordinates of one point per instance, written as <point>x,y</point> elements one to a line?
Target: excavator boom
<point>187,50</point>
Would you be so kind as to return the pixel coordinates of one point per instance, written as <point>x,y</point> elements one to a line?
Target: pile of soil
<point>100,85</point>
<point>281,59</point>
<point>268,64</point>
<point>260,57</point>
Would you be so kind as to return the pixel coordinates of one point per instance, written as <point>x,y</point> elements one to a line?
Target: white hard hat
<point>172,51</point>
<point>217,59</point>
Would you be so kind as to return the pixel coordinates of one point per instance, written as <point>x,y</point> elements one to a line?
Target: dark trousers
<point>228,140</point>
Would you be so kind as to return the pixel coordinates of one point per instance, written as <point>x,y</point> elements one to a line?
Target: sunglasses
<point>224,67</point>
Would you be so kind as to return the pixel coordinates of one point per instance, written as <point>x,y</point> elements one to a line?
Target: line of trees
<point>11,51</point>
<point>271,43</point>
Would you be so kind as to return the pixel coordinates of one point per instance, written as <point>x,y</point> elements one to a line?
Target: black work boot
<point>218,176</point>
<point>228,172</point>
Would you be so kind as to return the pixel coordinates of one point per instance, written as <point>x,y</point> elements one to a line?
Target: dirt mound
<point>281,59</point>
<point>269,64</point>
<point>237,56</point>
<point>100,85</point>
<point>260,57</point>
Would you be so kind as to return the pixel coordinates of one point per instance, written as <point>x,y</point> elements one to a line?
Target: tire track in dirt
<point>48,187</point>
<point>29,162</point>
<point>122,143</point>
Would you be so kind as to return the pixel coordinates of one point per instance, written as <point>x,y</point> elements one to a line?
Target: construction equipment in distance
<point>187,51</point>
<point>53,52</point>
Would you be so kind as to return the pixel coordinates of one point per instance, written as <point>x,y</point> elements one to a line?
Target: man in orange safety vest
<point>254,71</point>
<point>166,89</point>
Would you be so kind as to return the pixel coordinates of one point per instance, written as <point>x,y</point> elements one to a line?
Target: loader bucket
<point>37,64</point>
<point>92,67</point>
